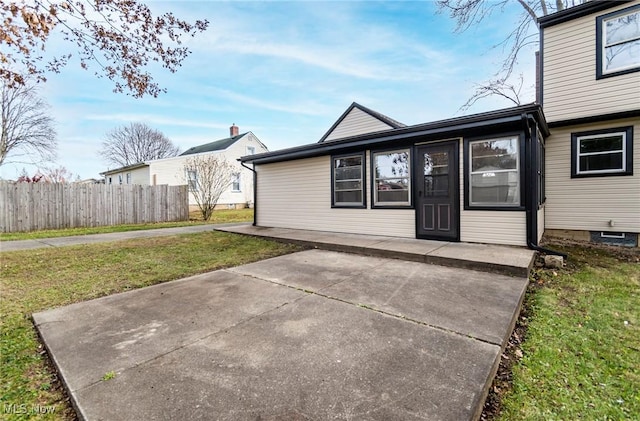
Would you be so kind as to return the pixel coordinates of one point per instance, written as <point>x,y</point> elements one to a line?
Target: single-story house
<point>501,177</point>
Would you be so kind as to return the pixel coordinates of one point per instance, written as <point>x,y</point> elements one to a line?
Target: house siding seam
<point>569,71</point>
<point>590,203</point>
<point>355,123</point>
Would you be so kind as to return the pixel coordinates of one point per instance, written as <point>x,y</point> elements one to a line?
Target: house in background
<point>171,171</point>
<point>501,177</point>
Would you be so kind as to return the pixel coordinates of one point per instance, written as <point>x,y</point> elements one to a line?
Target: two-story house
<point>590,70</point>
<point>501,177</point>
<point>172,171</point>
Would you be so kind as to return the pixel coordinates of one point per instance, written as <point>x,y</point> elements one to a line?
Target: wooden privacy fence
<point>39,206</point>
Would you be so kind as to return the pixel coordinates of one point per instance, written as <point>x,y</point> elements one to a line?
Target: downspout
<point>255,193</point>
<point>531,199</point>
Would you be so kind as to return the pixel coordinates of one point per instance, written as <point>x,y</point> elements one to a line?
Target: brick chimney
<point>234,130</point>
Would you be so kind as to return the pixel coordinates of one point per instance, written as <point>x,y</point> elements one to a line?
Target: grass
<point>218,217</point>
<point>32,281</point>
<point>581,355</point>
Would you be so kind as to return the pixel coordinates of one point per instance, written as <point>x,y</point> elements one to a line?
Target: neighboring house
<point>501,177</point>
<point>171,171</point>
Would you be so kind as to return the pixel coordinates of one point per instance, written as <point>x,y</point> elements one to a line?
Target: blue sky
<point>286,71</point>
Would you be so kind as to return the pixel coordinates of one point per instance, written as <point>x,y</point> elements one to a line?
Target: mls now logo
<point>12,408</point>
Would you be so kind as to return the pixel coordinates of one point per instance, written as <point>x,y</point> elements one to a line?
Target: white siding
<point>137,176</point>
<point>171,170</point>
<point>569,74</point>
<point>297,194</point>
<point>493,227</point>
<point>590,203</point>
<point>355,123</point>
<point>540,223</point>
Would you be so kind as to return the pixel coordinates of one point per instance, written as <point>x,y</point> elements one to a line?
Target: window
<point>110,180</point>
<point>128,178</point>
<point>601,153</point>
<point>119,178</point>
<point>192,180</point>
<point>235,184</point>
<point>494,173</point>
<point>618,42</point>
<point>392,178</point>
<point>251,150</point>
<point>347,175</point>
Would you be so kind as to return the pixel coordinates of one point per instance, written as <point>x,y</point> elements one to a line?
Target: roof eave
<point>581,10</point>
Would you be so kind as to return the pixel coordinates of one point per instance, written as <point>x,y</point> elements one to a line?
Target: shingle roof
<point>218,145</point>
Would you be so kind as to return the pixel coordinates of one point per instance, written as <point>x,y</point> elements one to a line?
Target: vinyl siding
<point>540,223</point>
<point>493,227</point>
<point>138,176</point>
<point>297,194</point>
<point>171,171</point>
<point>355,123</point>
<point>569,74</point>
<point>590,203</point>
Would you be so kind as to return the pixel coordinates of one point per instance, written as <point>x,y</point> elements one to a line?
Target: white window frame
<point>119,178</point>
<point>596,136</point>
<point>251,150</point>
<point>236,180</point>
<point>471,173</point>
<point>408,176</point>
<point>192,187</point>
<point>361,179</point>
<point>128,178</point>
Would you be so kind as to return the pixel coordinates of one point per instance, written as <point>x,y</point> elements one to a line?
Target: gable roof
<point>393,124</point>
<point>453,127</point>
<point>218,145</point>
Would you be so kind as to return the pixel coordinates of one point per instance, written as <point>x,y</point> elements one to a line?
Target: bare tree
<point>208,176</point>
<point>27,134</point>
<point>119,37</point>
<point>522,38</point>
<point>137,142</point>
<point>58,175</point>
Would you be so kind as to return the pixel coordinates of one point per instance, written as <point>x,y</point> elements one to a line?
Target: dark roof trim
<point>383,118</point>
<point>581,10</point>
<point>595,118</point>
<point>218,145</point>
<point>442,127</point>
<point>125,168</point>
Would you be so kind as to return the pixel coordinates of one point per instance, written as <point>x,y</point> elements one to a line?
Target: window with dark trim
<point>347,181</point>
<point>541,170</point>
<point>602,152</point>
<point>618,42</point>
<point>391,178</point>
<point>493,173</point>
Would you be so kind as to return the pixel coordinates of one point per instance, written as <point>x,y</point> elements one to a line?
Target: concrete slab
<point>306,361</point>
<point>512,261</point>
<point>311,270</point>
<point>117,332</point>
<point>378,339</point>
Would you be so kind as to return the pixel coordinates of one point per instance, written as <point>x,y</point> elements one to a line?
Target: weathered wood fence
<point>39,206</point>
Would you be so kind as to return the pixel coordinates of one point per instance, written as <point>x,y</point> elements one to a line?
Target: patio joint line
<point>367,307</point>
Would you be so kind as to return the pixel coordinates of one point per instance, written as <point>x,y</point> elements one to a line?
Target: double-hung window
<point>391,172</point>
<point>192,180</point>
<point>603,152</point>
<point>347,173</point>
<point>235,183</point>
<point>618,42</point>
<point>494,172</point>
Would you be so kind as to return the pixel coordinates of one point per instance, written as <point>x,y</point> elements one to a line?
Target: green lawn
<point>35,280</point>
<point>218,217</point>
<point>581,355</point>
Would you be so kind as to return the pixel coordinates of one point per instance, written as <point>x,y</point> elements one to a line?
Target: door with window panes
<point>437,191</point>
